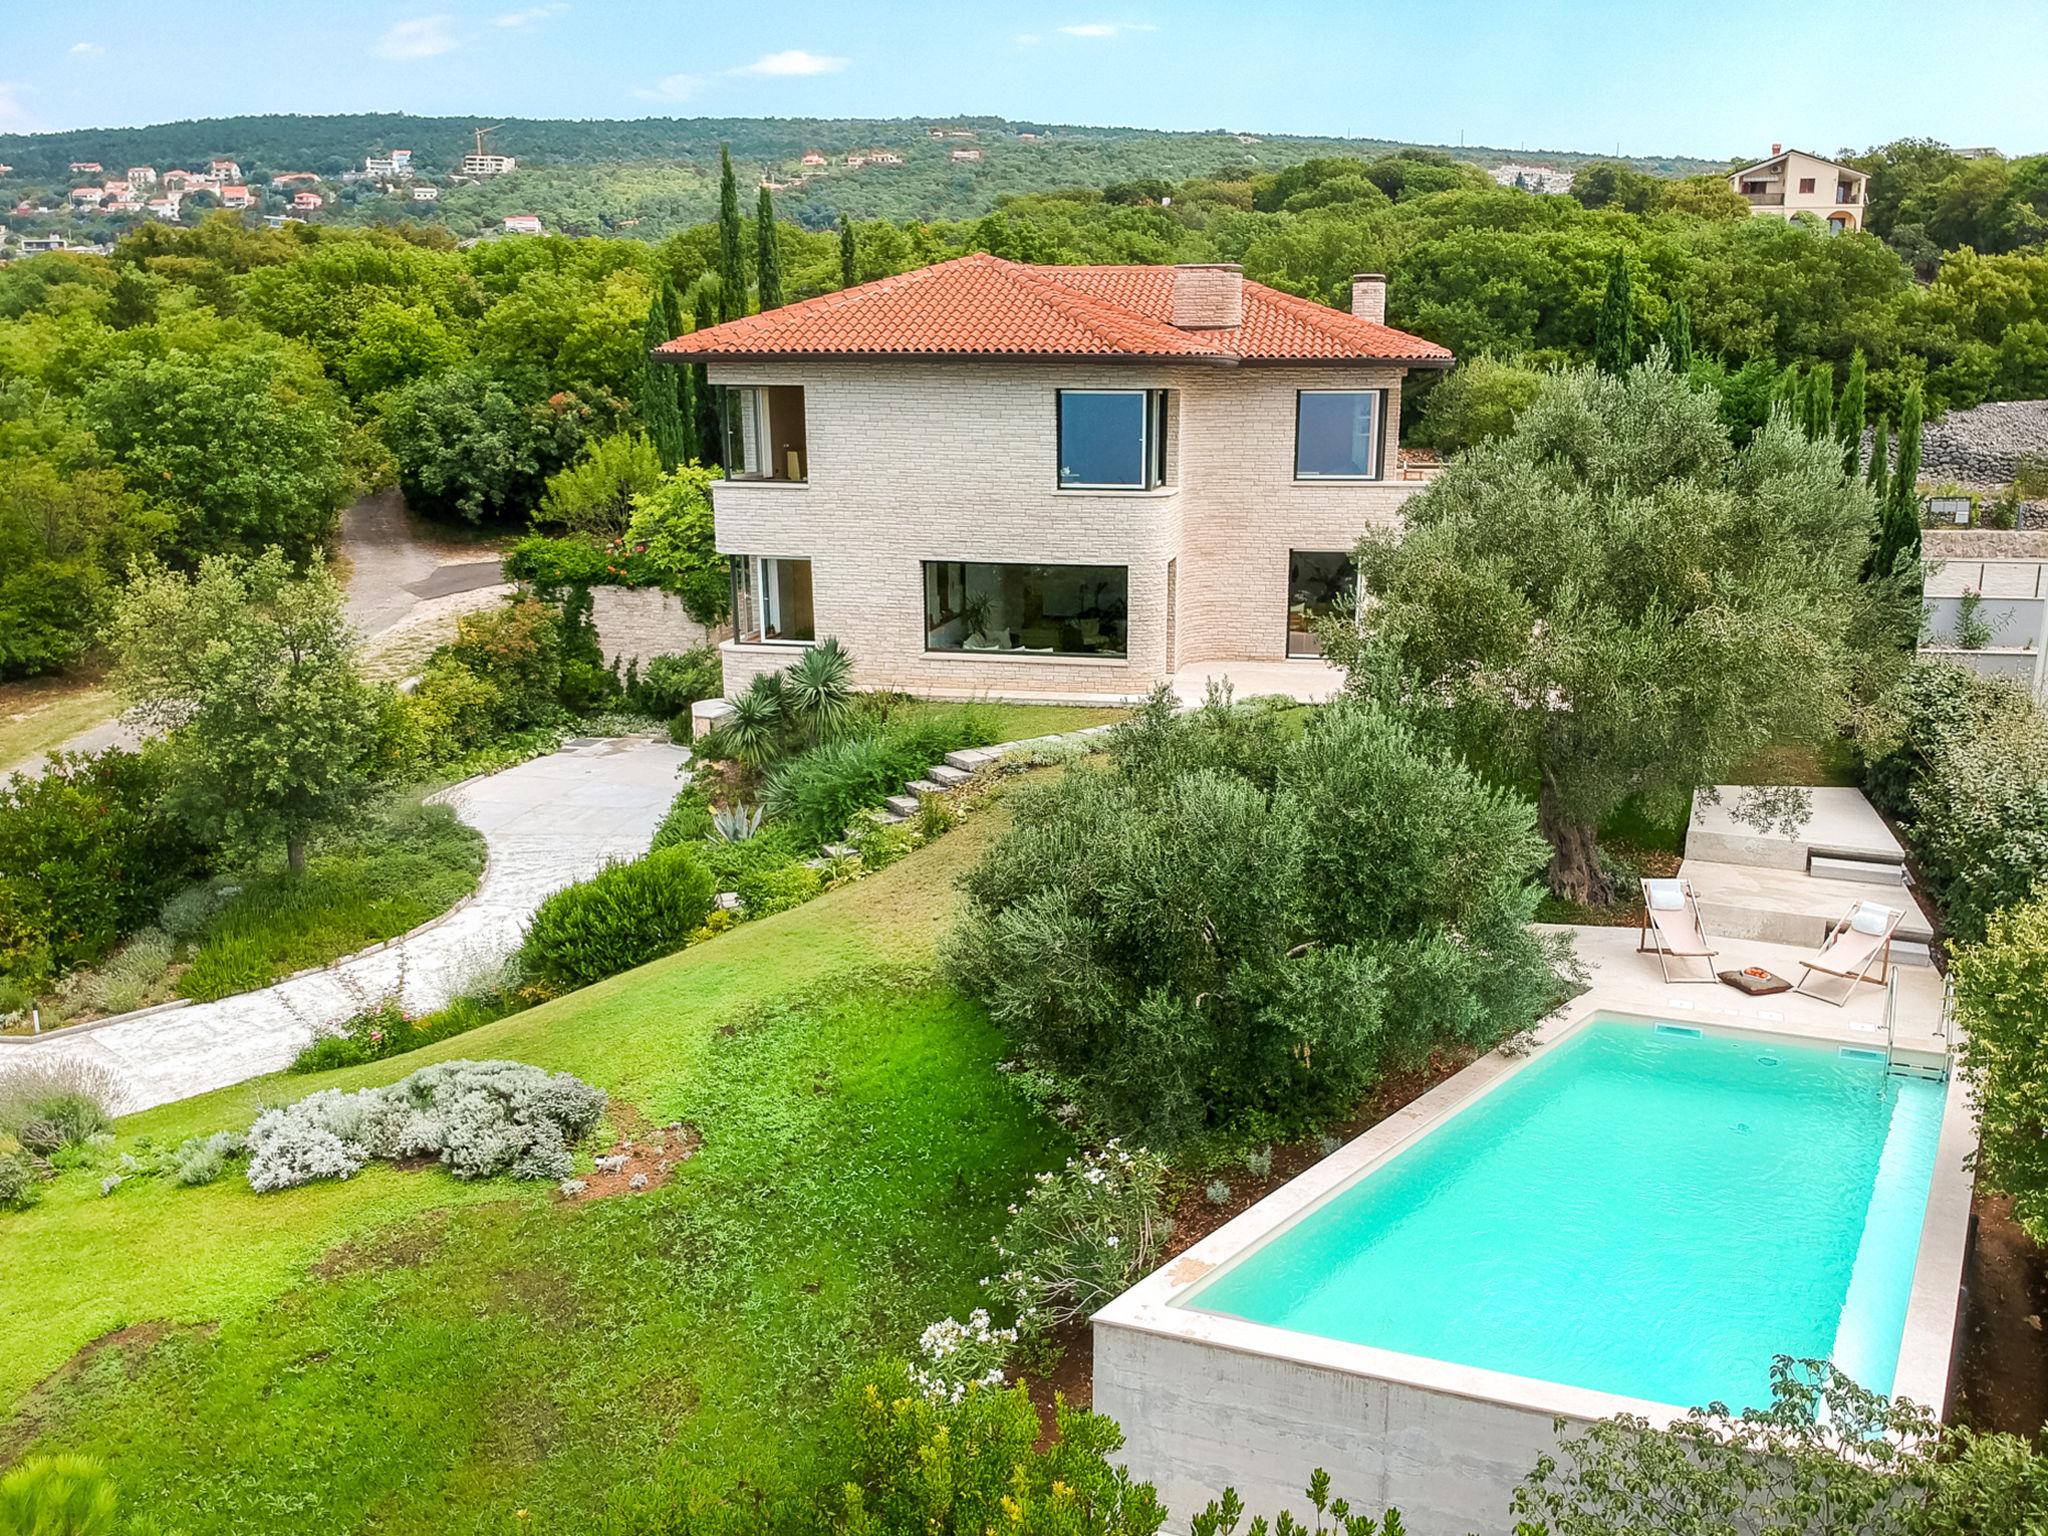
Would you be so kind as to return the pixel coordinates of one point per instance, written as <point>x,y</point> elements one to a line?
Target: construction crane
<point>480,135</point>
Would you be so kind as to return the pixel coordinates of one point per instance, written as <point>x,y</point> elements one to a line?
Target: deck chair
<point>1861,938</point>
<point>1673,928</point>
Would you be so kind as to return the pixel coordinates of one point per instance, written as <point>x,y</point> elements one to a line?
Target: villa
<point>1794,182</point>
<point>1046,482</point>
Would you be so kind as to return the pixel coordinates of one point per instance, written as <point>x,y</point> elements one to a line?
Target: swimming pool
<point>1650,1211</point>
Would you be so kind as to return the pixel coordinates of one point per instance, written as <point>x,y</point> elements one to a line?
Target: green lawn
<point>1021,722</point>
<point>406,1353</point>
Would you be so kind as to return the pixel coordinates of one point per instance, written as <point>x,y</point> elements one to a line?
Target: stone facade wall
<point>636,623</point>
<point>912,462</point>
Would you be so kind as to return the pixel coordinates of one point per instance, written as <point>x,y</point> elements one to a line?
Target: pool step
<point>1863,871</point>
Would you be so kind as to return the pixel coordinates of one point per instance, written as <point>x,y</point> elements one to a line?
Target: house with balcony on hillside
<point>986,477</point>
<point>1793,182</point>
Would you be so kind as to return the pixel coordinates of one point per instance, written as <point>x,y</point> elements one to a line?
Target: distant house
<point>856,161</point>
<point>1793,182</point>
<point>6,170</point>
<point>959,133</point>
<point>142,175</point>
<point>116,188</point>
<point>81,196</point>
<point>424,194</point>
<point>522,224</point>
<point>38,245</point>
<point>293,179</point>
<point>487,165</point>
<point>179,180</point>
<point>884,157</point>
<point>1027,138</point>
<point>235,196</point>
<point>935,133</point>
<point>164,208</point>
<point>966,154</point>
<point>1546,179</point>
<point>813,158</point>
<point>85,168</point>
<point>221,172</point>
<point>309,201</point>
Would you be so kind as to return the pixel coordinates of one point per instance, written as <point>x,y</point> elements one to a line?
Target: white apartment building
<point>488,165</point>
<point>1794,182</point>
<point>1052,482</point>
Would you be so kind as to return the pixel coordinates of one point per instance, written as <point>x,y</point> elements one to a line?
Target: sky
<point>1682,77</point>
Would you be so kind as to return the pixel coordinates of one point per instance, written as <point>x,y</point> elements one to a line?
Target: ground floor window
<point>1054,610</point>
<point>771,599</point>
<point>1320,582</point>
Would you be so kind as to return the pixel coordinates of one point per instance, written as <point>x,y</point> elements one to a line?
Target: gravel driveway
<point>547,823</point>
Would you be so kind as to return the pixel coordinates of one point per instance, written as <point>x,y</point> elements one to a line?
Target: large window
<point>763,428</point>
<point>1320,583</point>
<point>1050,610</point>
<point>1112,439</point>
<point>771,600</point>
<point>1336,434</point>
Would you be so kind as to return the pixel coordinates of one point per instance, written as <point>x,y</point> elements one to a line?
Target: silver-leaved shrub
<point>477,1118</point>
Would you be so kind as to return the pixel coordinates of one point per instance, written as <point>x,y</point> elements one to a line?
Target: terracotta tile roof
<point>982,306</point>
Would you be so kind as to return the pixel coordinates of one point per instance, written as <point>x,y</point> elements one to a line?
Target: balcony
<point>1764,199</point>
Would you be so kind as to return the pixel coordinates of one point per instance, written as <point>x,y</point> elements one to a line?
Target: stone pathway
<point>547,822</point>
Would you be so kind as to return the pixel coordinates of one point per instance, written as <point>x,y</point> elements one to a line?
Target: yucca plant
<point>818,690</point>
<point>753,730</point>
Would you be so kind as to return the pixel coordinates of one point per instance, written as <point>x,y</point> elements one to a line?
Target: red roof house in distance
<point>522,224</point>
<point>1056,482</point>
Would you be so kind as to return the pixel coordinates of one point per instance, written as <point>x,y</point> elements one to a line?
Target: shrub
<point>56,1102</point>
<point>672,530</point>
<point>1232,925</point>
<point>130,978</point>
<point>478,1118</point>
<point>776,888</point>
<point>623,916</point>
<point>21,1181</point>
<point>516,649</point>
<point>670,684</point>
<point>2001,987</point>
<point>688,819</point>
<point>385,1029</point>
<point>1081,1236</point>
<point>820,790</point>
<point>956,1357</point>
<point>897,1461</point>
<point>1962,760</point>
<point>202,1159</point>
<point>88,852</point>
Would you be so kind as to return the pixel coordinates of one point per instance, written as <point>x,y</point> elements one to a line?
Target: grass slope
<point>408,1354</point>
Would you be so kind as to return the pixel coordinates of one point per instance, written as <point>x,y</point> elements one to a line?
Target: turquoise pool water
<point>1648,1210</point>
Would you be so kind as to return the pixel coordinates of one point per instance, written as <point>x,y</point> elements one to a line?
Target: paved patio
<point>548,823</point>
<point>1310,680</point>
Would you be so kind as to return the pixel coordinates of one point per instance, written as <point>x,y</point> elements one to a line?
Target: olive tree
<point>251,669</point>
<point>1612,601</point>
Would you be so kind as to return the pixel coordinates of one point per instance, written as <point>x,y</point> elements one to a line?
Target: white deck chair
<point>1861,938</point>
<point>1673,927</point>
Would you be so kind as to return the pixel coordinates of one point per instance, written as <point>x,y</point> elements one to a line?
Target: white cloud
<point>421,38</point>
<point>86,50</point>
<point>793,61</point>
<point>527,17</point>
<point>1106,28</point>
<point>14,117</point>
<point>670,88</point>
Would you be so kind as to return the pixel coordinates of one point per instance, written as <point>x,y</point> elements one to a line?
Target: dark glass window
<point>1112,438</point>
<point>1336,434</point>
<point>1320,582</point>
<point>1053,610</point>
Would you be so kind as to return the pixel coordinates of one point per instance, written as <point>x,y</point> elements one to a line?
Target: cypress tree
<point>732,254</point>
<point>1879,473</point>
<point>1898,537</point>
<point>707,304</point>
<point>1678,338</point>
<point>1820,402</point>
<point>1849,414</point>
<point>661,384</point>
<point>1614,331</point>
<point>1787,397</point>
<point>849,269</point>
<point>768,256</point>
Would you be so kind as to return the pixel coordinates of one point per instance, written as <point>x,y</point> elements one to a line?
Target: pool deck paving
<point>547,822</point>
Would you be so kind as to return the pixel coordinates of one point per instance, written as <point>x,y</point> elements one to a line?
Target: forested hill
<point>660,172</point>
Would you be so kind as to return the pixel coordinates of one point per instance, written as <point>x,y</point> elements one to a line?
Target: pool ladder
<point>1892,1065</point>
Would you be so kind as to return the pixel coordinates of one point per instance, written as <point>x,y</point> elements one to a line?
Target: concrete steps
<point>925,787</point>
<point>1782,906</point>
<point>947,776</point>
<point>1864,871</point>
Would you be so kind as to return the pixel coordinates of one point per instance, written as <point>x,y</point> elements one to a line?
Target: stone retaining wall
<point>636,623</point>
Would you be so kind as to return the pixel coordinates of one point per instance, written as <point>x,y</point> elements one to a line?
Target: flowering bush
<point>954,1356</point>
<point>1081,1236</point>
<point>479,1118</point>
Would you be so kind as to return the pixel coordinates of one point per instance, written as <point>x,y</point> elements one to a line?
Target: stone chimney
<point>1208,296</point>
<point>1369,297</point>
